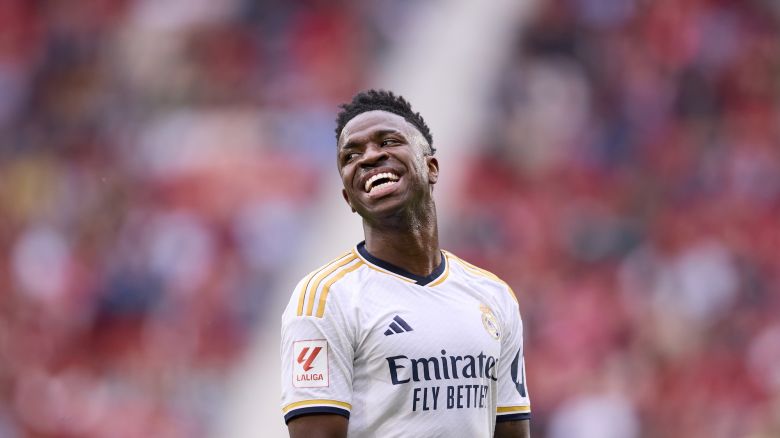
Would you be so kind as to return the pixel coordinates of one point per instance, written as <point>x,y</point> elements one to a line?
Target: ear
<point>346,198</point>
<point>433,169</point>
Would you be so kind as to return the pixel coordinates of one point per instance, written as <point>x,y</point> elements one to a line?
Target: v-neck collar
<point>387,266</point>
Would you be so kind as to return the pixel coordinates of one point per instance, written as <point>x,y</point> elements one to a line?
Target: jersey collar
<point>382,265</point>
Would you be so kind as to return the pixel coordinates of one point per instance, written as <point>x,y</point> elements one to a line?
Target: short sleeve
<point>513,401</point>
<point>316,358</point>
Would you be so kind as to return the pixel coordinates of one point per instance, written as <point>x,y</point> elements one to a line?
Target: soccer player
<point>397,337</point>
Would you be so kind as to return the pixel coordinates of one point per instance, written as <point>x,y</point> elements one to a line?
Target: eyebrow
<point>380,133</point>
<point>383,132</point>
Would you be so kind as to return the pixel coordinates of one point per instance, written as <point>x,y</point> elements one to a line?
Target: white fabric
<point>377,373</point>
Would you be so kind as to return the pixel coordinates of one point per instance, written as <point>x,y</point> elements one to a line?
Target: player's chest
<point>455,327</point>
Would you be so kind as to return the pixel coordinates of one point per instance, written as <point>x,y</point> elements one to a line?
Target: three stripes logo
<point>398,326</point>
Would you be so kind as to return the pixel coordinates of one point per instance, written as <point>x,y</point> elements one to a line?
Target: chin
<point>383,209</point>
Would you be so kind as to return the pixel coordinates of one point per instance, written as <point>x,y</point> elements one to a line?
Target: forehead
<point>367,123</point>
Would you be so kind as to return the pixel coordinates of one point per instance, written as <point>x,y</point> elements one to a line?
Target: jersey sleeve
<point>316,358</point>
<point>513,402</point>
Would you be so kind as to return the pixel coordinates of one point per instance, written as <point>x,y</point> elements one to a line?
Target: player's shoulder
<point>313,291</point>
<point>476,273</point>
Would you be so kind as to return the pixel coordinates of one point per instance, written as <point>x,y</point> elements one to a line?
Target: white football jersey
<point>404,355</point>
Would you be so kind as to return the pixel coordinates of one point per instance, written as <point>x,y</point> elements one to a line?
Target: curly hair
<point>382,100</point>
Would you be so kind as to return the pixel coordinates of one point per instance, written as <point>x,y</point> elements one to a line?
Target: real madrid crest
<point>489,321</point>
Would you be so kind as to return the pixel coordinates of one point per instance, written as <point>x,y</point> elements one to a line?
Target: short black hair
<point>382,100</point>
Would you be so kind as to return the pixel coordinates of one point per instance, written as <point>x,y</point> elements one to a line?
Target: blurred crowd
<point>157,163</point>
<point>628,188</point>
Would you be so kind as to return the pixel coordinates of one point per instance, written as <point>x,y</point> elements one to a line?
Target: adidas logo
<point>398,326</point>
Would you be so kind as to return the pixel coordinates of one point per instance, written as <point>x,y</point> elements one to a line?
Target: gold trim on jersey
<point>513,409</point>
<point>444,274</point>
<point>303,403</point>
<point>329,268</point>
<point>318,280</point>
<point>380,269</point>
<point>482,273</point>
<point>329,283</point>
<point>302,292</point>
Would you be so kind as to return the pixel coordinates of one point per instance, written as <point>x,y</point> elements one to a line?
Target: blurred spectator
<point>629,188</point>
<point>158,159</point>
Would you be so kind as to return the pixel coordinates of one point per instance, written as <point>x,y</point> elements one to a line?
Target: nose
<point>373,154</point>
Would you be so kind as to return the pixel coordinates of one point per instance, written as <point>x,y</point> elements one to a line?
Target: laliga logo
<point>310,363</point>
<point>302,357</point>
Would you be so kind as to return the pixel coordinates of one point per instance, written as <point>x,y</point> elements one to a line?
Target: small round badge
<point>489,321</point>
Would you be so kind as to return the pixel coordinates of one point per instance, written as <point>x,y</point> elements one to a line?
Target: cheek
<point>344,173</point>
<point>347,175</point>
<point>421,167</point>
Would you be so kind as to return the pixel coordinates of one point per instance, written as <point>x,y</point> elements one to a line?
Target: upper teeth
<point>388,175</point>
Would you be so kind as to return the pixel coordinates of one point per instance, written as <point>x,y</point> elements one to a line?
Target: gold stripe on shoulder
<point>302,296</point>
<point>316,284</point>
<point>302,292</point>
<point>329,283</point>
<point>484,273</point>
<point>303,403</point>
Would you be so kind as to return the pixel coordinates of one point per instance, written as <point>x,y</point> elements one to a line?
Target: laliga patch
<point>310,363</point>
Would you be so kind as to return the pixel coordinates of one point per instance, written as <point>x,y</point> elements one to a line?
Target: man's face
<point>383,164</point>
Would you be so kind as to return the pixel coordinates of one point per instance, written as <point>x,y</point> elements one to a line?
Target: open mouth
<point>380,180</point>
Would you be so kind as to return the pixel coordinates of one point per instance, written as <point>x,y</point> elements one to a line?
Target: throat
<point>413,247</point>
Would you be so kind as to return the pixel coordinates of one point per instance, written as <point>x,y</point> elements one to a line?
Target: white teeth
<point>391,176</point>
<point>381,185</point>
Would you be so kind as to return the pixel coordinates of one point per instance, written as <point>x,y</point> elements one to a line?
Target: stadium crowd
<point>157,160</point>
<point>628,188</point>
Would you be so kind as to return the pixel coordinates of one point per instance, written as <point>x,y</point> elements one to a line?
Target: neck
<point>409,241</point>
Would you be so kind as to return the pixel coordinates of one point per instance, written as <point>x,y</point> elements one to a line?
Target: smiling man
<point>397,337</point>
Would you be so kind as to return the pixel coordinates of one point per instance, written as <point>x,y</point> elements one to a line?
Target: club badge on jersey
<point>310,363</point>
<point>489,321</point>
